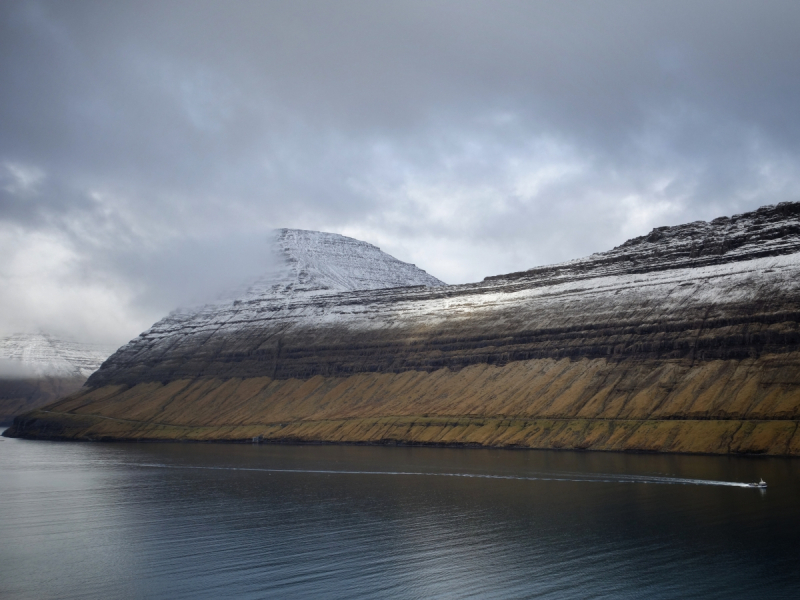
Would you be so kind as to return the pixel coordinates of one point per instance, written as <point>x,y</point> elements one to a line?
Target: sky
<point>147,149</point>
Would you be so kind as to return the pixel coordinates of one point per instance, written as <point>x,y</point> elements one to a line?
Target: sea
<point>180,520</point>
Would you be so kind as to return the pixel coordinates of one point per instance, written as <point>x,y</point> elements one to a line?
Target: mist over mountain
<point>36,369</point>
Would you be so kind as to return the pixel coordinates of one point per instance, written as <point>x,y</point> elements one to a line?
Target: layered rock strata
<point>683,340</point>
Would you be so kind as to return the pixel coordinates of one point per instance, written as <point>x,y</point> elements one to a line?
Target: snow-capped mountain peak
<point>321,262</point>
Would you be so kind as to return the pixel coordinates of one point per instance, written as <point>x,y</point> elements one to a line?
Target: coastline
<point>717,407</point>
<point>695,436</point>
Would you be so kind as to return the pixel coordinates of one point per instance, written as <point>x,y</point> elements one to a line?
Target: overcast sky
<point>147,148</point>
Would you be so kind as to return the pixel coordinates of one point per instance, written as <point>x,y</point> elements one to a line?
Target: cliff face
<point>690,324</point>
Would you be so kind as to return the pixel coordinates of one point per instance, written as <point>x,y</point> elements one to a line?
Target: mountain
<point>314,261</point>
<point>683,340</point>
<point>36,369</point>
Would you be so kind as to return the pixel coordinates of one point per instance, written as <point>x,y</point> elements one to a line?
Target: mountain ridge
<point>770,230</point>
<point>513,318</point>
<point>693,323</point>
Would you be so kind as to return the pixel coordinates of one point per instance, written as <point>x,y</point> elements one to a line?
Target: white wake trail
<point>596,478</point>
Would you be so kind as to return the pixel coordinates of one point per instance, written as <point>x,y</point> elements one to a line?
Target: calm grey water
<point>208,521</point>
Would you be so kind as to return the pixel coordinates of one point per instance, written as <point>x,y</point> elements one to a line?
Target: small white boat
<point>760,484</point>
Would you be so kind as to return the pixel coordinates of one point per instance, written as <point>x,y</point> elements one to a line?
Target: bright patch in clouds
<point>45,279</point>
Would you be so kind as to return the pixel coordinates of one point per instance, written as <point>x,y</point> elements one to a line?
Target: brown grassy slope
<point>750,405</point>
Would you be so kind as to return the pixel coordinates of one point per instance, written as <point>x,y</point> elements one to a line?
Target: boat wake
<point>573,477</point>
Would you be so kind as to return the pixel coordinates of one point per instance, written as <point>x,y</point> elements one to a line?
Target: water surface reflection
<point>188,521</point>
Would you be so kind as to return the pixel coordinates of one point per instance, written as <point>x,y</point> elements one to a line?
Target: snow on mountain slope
<point>771,230</point>
<point>550,304</point>
<point>319,262</point>
<point>40,355</point>
<point>307,267</point>
<point>346,264</point>
<point>308,264</point>
<point>328,279</point>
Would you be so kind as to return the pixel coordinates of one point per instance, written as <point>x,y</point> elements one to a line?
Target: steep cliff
<point>682,340</point>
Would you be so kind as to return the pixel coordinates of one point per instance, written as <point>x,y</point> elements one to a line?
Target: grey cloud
<point>15,369</point>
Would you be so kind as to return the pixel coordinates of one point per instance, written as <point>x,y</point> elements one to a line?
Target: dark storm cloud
<point>147,147</point>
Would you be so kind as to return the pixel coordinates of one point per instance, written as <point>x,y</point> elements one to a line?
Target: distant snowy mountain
<point>41,355</point>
